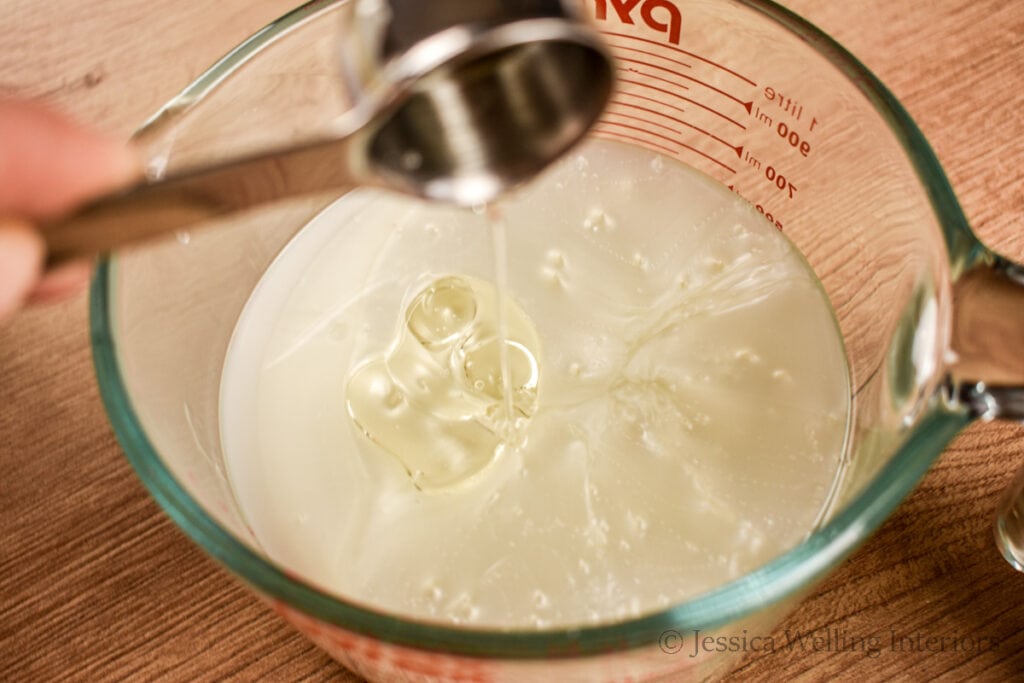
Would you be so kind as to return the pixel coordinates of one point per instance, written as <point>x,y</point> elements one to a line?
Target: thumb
<point>21,259</point>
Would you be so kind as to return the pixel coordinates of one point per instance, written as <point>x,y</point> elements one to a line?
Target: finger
<point>21,260</point>
<point>61,282</point>
<point>48,164</point>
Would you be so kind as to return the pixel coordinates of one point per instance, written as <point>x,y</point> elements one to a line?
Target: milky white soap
<point>677,407</point>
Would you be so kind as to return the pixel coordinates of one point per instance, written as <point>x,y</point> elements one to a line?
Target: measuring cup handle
<point>988,337</point>
<point>988,373</point>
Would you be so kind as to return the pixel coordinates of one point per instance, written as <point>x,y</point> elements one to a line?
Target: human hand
<point>48,165</point>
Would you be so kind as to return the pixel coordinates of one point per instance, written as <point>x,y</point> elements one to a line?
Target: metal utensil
<point>454,100</point>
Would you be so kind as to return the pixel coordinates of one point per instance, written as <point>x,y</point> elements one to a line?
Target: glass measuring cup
<point>163,316</point>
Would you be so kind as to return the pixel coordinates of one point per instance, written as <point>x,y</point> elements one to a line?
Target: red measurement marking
<point>641,119</point>
<point>653,66</point>
<point>736,148</point>
<point>651,54</point>
<point>684,52</point>
<point>680,97</point>
<point>631,70</point>
<point>674,142</point>
<point>746,105</point>
<point>646,143</point>
<point>653,100</point>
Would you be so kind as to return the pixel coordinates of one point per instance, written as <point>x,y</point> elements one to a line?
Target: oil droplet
<point>441,312</point>
<point>435,399</point>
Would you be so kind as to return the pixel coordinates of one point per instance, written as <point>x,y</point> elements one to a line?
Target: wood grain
<point>95,582</point>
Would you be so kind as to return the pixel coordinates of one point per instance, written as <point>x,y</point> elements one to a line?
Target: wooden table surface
<point>97,584</point>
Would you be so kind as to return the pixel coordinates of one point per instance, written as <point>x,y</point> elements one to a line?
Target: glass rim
<point>768,585</point>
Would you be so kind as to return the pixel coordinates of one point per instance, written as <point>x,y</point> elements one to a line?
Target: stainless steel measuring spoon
<point>455,101</point>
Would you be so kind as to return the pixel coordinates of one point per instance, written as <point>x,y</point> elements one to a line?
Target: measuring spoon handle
<point>181,200</point>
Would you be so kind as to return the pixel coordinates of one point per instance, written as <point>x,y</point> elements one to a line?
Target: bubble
<point>433,592</point>
<point>713,264</point>
<point>747,356</point>
<point>637,523</point>
<point>555,258</point>
<point>780,375</point>
<point>599,221</point>
<point>463,608</point>
<point>641,262</point>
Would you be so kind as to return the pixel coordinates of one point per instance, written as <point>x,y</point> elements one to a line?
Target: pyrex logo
<point>660,15</point>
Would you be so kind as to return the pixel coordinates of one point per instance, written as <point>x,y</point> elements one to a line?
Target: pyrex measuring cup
<point>743,91</point>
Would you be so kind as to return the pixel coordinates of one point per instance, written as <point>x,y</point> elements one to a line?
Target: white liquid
<point>686,424</point>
